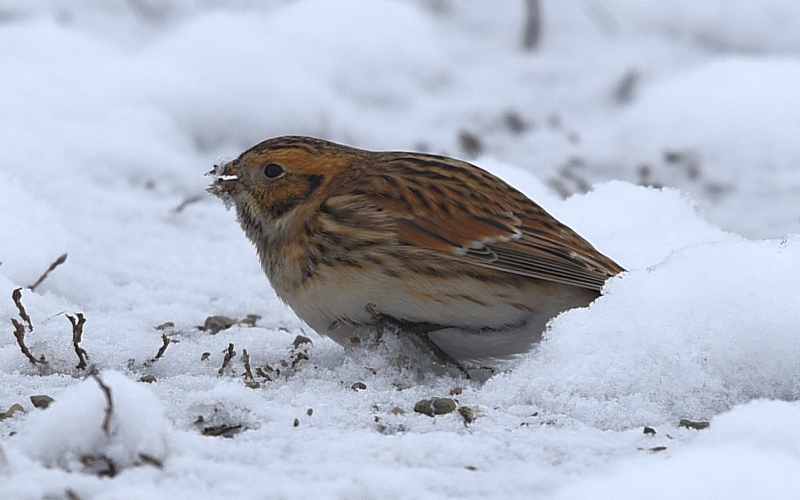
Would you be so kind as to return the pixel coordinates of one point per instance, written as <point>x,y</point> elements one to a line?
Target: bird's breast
<point>334,298</point>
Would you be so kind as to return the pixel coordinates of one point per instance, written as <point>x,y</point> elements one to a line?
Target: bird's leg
<point>420,331</point>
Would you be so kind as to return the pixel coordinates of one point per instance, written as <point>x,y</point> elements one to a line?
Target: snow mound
<point>72,434</point>
<point>711,327</point>
<point>752,451</point>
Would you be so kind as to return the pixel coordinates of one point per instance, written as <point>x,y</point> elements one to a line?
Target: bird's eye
<point>273,171</point>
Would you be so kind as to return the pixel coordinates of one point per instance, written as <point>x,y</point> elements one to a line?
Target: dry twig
<point>16,296</point>
<point>164,344</point>
<point>99,465</point>
<point>248,373</point>
<point>249,380</point>
<point>299,351</point>
<point>689,424</point>
<point>229,354</point>
<point>625,90</point>
<point>106,426</point>
<point>19,334</point>
<point>186,202</point>
<point>264,372</point>
<point>532,34</point>
<point>151,460</point>
<point>148,12</point>
<point>60,260</point>
<point>77,334</point>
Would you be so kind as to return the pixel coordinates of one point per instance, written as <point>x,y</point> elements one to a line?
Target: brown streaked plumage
<point>429,240</point>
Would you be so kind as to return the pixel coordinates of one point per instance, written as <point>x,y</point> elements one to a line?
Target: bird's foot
<point>418,332</point>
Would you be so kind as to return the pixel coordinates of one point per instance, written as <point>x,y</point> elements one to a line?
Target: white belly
<point>484,320</point>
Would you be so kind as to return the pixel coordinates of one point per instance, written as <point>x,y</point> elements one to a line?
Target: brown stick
<point>77,335</point>
<point>229,354</point>
<point>19,334</point>
<point>109,411</point>
<point>248,373</point>
<point>16,296</point>
<point>186,202</point>
<point>60,260</point>
<point>532,34</point>
<point>161,350</point>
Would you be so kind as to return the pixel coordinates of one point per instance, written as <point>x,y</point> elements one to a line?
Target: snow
<point>73,426</point>
<point>113,111</point>
<point>750,452</point>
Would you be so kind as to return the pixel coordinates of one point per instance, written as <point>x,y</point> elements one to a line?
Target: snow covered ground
<point>112,110</point>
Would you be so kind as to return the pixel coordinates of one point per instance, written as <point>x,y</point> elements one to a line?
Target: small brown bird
<point>436,247</point>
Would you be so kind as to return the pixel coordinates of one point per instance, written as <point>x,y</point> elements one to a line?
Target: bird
<point>353,240</point>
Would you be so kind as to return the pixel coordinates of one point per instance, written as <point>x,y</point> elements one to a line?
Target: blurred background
<point>702,96</point>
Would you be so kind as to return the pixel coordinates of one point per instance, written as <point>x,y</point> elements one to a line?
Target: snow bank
<point>750,452</point>
<point>81,430</point>
<point>709,328</point>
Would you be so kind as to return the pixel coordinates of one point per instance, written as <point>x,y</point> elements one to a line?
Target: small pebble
<point>41,401</point>
<point>215,324</point>
<point>698,426</point>
<point>435,406</point>
<point>16,407</point>
<point>467,414</point>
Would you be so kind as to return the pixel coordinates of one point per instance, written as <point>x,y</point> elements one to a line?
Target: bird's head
<point>278,182</point>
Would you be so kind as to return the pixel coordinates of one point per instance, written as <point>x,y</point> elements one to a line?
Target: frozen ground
<point>112,110</point>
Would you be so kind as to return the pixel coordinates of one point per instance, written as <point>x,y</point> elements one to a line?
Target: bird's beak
<point>227,182</point>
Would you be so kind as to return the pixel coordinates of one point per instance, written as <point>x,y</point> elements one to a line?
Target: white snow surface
<point>113,110</point>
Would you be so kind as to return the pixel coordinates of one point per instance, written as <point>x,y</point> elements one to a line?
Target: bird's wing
<point>466,213</point>
<point>519,248</point>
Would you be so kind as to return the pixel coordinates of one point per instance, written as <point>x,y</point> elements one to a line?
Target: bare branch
<point>532,34</point>
<point>229,354</point>
<point>77,335</point>
<point>19,334</point>
<point>109,411</point>
<point>165,342</point>
<point>153,14</point>
<point>625,89</point>
<point>249,380</point>
<point>55,264</point>
<point>151,460</point>
<point>186,202</point>
<point>16,296</point>
<point>248,372</point>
